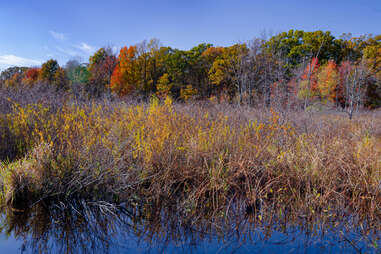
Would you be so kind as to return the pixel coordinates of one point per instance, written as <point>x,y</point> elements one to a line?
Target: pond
<point>98,227</point>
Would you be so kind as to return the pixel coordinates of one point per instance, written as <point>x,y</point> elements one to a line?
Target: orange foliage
<point>212,53</point>
<point>125,76</point>
<point>31,76</point>
<point>328,81</point>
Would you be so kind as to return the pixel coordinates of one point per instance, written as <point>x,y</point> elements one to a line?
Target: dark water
<point>86,227</point>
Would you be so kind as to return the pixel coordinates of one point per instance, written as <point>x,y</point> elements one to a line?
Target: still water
<point>87,227</point>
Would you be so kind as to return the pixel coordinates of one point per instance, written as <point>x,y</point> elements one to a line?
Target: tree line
<point>294,69</point>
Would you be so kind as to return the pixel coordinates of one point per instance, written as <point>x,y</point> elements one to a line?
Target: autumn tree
<point>51,73</point>
<point>230,70</point>
<point>328,80</point>
<point>101,67</point>
<point>126,76</point>
<point>308,83</point>
<point>208,57</point>
<point>31,76</point>
<point>48,71</point>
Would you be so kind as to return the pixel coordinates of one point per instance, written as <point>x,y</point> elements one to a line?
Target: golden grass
<point>192,156</point>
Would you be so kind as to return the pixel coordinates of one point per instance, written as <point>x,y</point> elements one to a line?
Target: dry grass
<point>207,158</point>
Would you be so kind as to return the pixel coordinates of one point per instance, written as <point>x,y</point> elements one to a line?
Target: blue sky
<point>33,31</point>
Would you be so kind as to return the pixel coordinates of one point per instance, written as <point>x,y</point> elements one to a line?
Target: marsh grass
<point>202,158</point>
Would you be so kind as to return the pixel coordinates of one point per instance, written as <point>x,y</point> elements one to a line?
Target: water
<point>88,227</point>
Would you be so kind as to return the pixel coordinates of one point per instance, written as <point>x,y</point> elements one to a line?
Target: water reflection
<point>98,227</point>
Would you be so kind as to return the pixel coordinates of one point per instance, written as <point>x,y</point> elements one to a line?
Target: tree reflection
<point>98,227</point>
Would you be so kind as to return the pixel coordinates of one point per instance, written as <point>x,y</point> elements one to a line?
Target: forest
<point>293,70</point>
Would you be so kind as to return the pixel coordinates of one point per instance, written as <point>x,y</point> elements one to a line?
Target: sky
<point>33,31</point>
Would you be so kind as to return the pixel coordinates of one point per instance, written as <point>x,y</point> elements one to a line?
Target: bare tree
<point>354,83</point>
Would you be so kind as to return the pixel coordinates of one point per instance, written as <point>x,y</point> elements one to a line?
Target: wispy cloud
<point>58,36</point>
<point>86,47</point>
<point>12,60</point>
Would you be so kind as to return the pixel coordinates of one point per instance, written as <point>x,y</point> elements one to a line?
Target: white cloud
<point>58,36</point>
<point>12,60</point>
<point>86,47</point>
